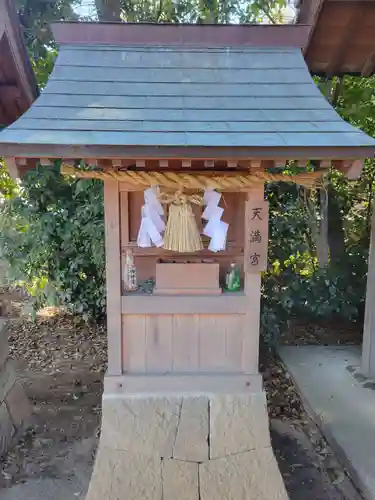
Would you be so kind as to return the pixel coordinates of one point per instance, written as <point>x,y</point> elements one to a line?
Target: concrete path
<point>342,401</point>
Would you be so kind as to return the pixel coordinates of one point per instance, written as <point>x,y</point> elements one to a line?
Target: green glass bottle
<point>233,278</point>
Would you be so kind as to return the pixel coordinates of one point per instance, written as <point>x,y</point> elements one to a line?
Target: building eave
<point>59,151</point>
<point>22,87</point>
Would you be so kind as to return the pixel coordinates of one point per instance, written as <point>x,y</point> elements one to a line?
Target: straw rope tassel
<point>181,233</point>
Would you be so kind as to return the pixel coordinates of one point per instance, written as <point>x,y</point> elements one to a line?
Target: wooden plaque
<point>256,236</point>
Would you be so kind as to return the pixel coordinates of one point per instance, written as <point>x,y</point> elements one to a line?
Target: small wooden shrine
<point>18,88</point>
<point>184,124</point>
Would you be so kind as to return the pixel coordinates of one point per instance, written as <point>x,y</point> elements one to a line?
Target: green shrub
<point>52,236</point>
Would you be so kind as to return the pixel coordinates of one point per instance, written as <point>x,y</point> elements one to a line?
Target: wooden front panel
<point>183,343</point>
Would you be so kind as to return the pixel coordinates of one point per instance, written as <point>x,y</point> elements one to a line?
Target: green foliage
<point>356,102</point>
<point>7,186</point>
<point>36,17</point>
<point>43,67</point>
<point>53,238</point>
<point>194,11</point>
<point>294,283</point>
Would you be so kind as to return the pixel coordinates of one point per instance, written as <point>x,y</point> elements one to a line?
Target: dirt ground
<point>62,364</point>
<point>330,331</point>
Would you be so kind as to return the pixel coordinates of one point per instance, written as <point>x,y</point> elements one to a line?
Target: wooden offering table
<point>184,124</point>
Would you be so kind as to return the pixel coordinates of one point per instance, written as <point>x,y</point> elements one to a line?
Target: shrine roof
<point>181,91</point>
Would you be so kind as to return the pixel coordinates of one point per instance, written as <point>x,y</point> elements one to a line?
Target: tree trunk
<point>322,243</point>
<point>335,227</point>
<point>108,10</point>
<point>336,233</point>
<point>322,247</point>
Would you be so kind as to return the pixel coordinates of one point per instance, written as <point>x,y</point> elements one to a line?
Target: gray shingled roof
<point>237,97</point>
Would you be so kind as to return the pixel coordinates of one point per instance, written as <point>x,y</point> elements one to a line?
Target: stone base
<point>14,405</point>
<point>186,447</point>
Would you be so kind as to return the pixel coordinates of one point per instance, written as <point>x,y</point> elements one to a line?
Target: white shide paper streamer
<point>216,229</point>
<point>152,223</point>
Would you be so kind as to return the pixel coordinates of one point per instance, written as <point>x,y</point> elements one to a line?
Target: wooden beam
<point>256,165</point>
<point>12,167</point>
<point>191,153</point>
<point>93,162</point>
<point>163,163</point>
<point>117,163</point>
<point>124,218</point>
<point>232,163</point>
<point>236,303</point>
<point>280,163</point>
<point>187,383</point>
<point>368,346</point>
<point>343,165</point>
<point>222,35</point>
<point>104,164</point>
<point>250,349</point>
<point>140,163</point>
<point>2,21</point>
<point>369,65</point>
<point>325,164</point>
<point>113,268</point>
<point>355,170</point>
<point>46,162</point>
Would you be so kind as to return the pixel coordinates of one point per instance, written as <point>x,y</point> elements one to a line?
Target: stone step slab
<point>180,480</point>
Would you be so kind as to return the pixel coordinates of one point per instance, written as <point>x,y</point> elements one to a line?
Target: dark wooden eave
<point>18,87</point>
<point>342,36</point>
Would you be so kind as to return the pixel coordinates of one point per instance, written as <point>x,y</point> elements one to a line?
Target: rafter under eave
<point>2,27</point>
<point>15,61</point>
<point>341,36</point>
<point>350,31</point>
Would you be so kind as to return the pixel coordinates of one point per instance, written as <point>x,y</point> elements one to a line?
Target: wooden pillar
<point>113,267</point>
<point>255,261</point>
<point>368,347</point>
<point>12,168</point>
